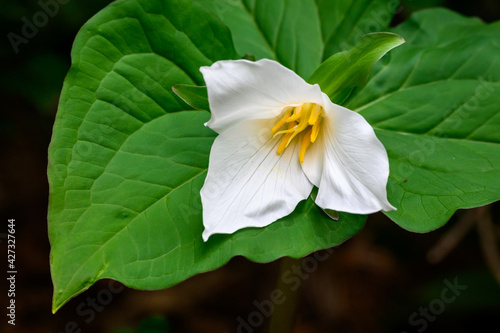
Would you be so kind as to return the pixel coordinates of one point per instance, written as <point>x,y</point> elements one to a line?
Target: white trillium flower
<point>278,138</point>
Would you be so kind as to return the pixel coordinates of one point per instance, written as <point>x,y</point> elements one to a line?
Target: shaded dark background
<point>374,282</point>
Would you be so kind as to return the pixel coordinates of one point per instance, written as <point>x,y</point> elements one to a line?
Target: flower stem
<point>285,307</point>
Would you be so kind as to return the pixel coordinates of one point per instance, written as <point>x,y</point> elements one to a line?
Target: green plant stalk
<point>283,317</point>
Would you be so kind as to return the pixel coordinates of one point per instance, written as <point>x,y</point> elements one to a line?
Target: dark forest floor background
<point>383,280</point>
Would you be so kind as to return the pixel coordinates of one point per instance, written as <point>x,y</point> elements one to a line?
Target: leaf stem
<point>283,317</point>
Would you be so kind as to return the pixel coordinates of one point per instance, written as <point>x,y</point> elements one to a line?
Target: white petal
<point>348,164</point>
<point>242,90</point>
<point>248,183</point>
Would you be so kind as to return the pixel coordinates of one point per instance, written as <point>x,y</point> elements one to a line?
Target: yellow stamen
<point>315,129</point>
<point>283,120</point>
<point>300,127</point>
<point>289,130</point>
<point>305,110</point>
<point>315,114</point>
<point>285,141</point>
<point>305,117</point>
<point>306,141</point>
<point>296,113</point>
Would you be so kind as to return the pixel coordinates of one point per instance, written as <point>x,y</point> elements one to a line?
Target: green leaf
<point>434,105</point>
<point>284,30</point>
<point>143,225</point>
<point>194,96</point>
<point>127,160</point>
<point>248,37</point>
<point>300,34</point>
<point>344,23</point>
<point>124,62</point>
<point>333,214</point>
<point>344,71</point>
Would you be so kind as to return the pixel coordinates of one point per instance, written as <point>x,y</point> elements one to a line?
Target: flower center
<point>305,118</point>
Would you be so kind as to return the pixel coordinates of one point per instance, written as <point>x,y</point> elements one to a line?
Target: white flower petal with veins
<point>350,165</point>
<point>248,184</point>
<point>242,90</point>
<point>278,137</point>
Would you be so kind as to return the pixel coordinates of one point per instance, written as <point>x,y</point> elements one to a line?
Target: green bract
<point>344,71</point>
<point>196,97</point>
<point>128,156</point>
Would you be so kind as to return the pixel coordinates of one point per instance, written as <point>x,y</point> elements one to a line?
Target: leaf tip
<point>57,303</point>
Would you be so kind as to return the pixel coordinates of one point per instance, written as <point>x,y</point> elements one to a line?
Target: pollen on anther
<point>285,141</point>
<point>315,114</point>
<point>303,119</point>
<point>306,141</point>
<point>297,113</point>
<point>315,129</point>
<point>283,120</point>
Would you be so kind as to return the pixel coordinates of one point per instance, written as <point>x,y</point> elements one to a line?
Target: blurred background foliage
<point>374,282</point>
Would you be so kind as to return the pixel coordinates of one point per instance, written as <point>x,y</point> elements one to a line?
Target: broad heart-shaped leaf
<point>300,34</point>
<point>434,104</point>
<point>344,71</point>
<point>127,160</point>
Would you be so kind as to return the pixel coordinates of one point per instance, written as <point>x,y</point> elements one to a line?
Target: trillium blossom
<point>278,138</point>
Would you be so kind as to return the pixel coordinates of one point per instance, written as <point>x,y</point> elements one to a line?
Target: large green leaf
<point>127,158</point>
<point>300,34</point>
<point>434,104</point>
